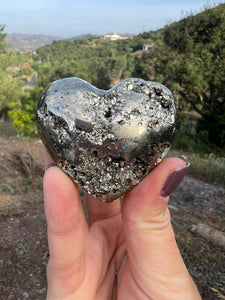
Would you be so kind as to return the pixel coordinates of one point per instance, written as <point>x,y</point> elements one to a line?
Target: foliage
<point>190,144</point>
<point>199,45</point>
<point>100,62</point>
<point>216,133</point>
<point>12,75</point>
<point>2,40</point>
<point>188,56</point>
<point>210,168</point>
<point>97,61</point>
<point>190,60</point>
<point>207,161</point>
<point>23,111</point>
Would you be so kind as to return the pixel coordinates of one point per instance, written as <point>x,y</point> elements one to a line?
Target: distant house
<point>147,47</point>
<point>116,36</point>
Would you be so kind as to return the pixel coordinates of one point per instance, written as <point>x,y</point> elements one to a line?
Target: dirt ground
<point>23,242</point>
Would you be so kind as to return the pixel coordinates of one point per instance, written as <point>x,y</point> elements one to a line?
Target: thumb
<point>153,255</point>
<point>150,197</point>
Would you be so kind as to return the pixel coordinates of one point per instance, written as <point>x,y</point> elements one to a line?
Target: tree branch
<point>191,102</point>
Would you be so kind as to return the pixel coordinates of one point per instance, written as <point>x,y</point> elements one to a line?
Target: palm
<point>108,271</point>
<point>127,252</point>
<point>107,257</point>
<point>117,277</point>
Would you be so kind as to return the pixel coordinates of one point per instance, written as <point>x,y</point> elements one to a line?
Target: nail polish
<point>173,180</point>
<point>51,164</point>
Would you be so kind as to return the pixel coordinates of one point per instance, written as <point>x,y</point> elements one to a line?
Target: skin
<point>126,252</point>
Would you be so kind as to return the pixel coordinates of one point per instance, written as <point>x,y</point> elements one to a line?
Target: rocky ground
<point>23,242</point>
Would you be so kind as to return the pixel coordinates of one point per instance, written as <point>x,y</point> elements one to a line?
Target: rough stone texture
<point>107,141</point>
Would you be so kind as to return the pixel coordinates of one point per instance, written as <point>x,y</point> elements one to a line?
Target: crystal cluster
<point>107,141</point>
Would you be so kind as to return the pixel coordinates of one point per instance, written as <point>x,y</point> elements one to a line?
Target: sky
<point>68,18</point>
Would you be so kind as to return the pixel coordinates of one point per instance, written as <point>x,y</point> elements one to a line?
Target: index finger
<point>67,230</point>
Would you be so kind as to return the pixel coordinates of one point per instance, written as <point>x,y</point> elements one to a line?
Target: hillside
<point>30,42</point>
<point>26,42</point>
<point>81,37</point>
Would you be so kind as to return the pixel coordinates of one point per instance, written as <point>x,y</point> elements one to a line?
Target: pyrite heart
<point>107,141</point>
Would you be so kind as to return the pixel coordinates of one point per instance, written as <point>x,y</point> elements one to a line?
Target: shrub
<point>192,144</point>
<point>23,112</point>
<point>214,123</point>
<point>210,168</point>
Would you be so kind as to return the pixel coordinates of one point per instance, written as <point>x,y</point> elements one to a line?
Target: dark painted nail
<point>173,180</point>
<point>51,164</point>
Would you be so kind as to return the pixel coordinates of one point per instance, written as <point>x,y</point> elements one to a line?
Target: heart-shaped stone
<point>107,141</point>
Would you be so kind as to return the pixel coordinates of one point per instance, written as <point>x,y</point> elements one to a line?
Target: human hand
<point>126,252</point>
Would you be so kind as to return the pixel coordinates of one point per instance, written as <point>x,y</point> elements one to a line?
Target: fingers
<point>153,254</point>
<point>98,210</point>
<point>67,230</point>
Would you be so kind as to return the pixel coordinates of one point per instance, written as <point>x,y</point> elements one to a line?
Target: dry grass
<point>209,168</point>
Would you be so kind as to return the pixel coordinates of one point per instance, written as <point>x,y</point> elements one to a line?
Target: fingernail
<point>51,164</point>
<point>173,180</point>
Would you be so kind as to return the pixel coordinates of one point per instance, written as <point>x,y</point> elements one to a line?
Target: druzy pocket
<point>107,141</point>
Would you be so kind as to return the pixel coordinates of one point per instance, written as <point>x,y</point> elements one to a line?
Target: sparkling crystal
<point>107,141</point>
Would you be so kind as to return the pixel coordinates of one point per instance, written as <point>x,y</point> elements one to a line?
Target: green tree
<point>23,111</point>
<point>190,60</point>
<point>12,76</point>
<point>198,43</point>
